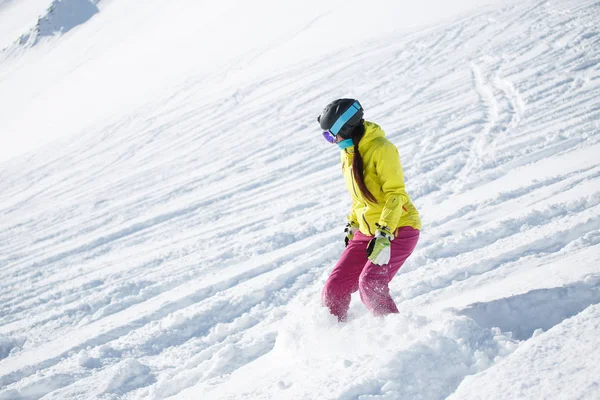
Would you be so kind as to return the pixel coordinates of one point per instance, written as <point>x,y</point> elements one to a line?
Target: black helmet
<point>341,116</point>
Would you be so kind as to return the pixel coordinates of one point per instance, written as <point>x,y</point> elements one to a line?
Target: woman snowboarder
<point>383,225</point>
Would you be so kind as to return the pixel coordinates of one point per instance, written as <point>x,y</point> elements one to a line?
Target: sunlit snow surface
<point>181,250</point>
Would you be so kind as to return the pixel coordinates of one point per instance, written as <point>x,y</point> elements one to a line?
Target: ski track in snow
<point>133,268</point>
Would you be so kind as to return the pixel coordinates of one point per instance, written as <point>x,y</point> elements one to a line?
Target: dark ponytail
<point>357,163</point>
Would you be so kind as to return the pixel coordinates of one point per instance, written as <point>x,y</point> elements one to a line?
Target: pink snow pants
<point>355,272</point>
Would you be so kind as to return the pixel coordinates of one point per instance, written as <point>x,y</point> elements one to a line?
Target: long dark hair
<point>357,163</point>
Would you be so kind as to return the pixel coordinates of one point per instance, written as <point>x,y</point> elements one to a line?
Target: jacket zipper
<point>352,179</point>
<point>356,194</point>
<point>368,226</point>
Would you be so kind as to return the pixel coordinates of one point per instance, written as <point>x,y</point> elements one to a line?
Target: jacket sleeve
<point>391,176</point>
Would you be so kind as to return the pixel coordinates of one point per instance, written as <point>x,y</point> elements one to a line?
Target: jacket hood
<point>372,132</point>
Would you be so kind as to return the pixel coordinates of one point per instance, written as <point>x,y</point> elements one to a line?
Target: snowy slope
<point>177,246</point>
<point>114,55</point>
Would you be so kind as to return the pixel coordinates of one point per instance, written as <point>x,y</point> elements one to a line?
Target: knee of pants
<point>363,282</point>
<point>371,278</point>
<point>335,290</point>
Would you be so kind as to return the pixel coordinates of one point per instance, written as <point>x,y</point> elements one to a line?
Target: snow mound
<point>126,376</point>
<point>539,309</point>
<point>115,381</point>
<point>405,356</point>
<point>561,353</point>
<point>60,17</point>
<point>9,345</point>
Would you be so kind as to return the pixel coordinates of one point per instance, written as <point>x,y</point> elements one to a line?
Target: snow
<point>170,211</point>
<point>113,61</point>
<point>552,355</point>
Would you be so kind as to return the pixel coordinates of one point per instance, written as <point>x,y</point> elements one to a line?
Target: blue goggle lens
<point>330,137</point>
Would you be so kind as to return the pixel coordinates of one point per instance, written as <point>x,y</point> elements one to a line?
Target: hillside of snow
<point>170,212</point>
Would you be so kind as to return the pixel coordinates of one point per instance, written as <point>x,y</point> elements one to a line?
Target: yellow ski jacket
<point>385,180</point>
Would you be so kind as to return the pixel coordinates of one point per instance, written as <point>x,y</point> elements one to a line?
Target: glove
<point>378,249</point>
<point>351,229</point>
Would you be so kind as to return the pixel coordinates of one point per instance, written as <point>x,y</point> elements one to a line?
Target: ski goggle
<point>330,137</point>
<point>344,144</point>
